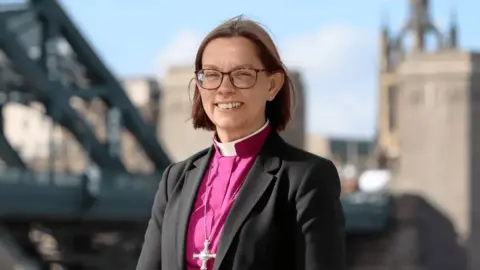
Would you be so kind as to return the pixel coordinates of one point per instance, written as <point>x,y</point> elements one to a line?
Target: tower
<point>393,51</point>
<point>428,124</point>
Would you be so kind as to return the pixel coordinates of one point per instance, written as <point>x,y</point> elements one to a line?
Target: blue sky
<point>332,42</point>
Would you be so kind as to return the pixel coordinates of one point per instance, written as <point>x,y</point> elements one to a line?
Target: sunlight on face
<point>234,109</point>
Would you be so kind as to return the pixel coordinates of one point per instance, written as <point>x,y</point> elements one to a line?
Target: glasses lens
<point>209,79</point>
<point>244,78</point>
<point>240,78</point>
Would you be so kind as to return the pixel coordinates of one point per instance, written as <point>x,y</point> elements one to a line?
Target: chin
<point>228,123</point>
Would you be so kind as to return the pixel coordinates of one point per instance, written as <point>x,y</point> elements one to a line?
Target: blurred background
<point>95,103</point>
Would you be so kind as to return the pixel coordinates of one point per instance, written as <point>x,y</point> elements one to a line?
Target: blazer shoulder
<point>301,159</point>
<point>190,160</point>
<point>308,171</point>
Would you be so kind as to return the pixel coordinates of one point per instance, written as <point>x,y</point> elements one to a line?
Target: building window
<point>392,108</point>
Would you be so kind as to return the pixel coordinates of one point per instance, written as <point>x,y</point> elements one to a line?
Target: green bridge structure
<point>71,210</point>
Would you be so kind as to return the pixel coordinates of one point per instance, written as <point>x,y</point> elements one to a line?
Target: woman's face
<point>237,109</point>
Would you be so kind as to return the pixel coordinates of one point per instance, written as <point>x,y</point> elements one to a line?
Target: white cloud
<point>181,51</point>
<point>338,66</point>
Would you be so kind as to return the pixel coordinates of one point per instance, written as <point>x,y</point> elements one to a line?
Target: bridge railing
<point>123,181</point>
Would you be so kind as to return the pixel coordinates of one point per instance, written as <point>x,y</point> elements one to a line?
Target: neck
<point>225,136</point>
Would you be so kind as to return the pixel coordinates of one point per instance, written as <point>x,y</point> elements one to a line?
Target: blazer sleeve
<point>150,256</point>
<point>320,220</point>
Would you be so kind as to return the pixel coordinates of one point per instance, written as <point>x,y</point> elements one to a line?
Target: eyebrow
<point>234,67</point>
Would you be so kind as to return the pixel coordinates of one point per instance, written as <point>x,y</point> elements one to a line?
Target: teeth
<point>228,105</point>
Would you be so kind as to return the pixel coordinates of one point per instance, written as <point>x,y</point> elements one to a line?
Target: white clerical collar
<point>228,149</point>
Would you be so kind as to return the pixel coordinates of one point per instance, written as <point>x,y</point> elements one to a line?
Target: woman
<point>251,201</point>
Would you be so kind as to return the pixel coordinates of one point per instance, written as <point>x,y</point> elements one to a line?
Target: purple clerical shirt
<point>227,170</point>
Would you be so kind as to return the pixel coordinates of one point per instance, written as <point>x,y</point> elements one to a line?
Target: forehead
<point>227,53</point>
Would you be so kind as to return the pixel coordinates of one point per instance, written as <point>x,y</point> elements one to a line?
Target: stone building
<point>295,133</point>
<point>429,120</point>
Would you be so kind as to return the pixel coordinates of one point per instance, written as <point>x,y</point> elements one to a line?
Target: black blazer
<point>287,214</point>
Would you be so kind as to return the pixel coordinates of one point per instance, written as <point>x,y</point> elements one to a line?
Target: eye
<point>211,74</point>
<point>244,73</point>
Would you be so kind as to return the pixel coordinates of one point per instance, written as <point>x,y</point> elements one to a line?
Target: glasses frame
<point>257,70</point>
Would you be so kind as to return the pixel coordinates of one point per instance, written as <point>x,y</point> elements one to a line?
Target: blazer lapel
<point>191,183</point>
<point>256,183</point>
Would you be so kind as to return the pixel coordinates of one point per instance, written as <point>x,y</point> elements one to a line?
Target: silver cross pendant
<point>205,255</point>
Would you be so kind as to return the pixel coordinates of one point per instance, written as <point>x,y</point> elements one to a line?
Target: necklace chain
<point>207,195</point>
<point>205,254</point>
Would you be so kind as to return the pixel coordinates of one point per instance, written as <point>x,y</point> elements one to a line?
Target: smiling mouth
<point>228,106</point>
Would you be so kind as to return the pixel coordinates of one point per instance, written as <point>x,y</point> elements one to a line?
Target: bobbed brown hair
<point>279,110</point>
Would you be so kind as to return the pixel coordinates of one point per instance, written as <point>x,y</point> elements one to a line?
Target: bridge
<point>75,220</point>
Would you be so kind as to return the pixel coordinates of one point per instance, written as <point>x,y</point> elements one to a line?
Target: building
<point>350,156</point>
<point>295,133</point>
<point>176,132</point>
<point>429,100</point>
<point>42,144</point>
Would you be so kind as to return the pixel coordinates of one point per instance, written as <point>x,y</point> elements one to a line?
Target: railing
<point>366,198</point>
<point>119,181</point>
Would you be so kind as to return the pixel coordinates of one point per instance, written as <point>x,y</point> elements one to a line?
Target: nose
<point>226,86</point>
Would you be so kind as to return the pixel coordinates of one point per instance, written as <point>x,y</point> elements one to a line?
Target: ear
<point>277,80</point>
<point>196,84</point>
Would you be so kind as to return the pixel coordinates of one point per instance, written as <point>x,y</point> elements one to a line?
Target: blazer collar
<point>256,183</point>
